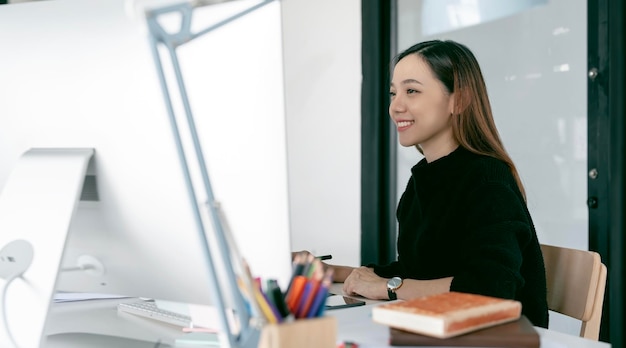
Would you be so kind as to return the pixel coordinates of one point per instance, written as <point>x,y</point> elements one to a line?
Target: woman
<point>463,221</point>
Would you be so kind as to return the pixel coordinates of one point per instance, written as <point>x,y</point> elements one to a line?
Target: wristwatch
<point>393,284</point>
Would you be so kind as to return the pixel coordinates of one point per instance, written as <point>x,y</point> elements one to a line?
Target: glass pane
<point>533,56</point>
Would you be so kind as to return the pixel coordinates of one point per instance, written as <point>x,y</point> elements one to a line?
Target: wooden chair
<point>576,281</point>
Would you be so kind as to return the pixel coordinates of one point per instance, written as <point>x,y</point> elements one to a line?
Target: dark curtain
<point>378,231</point>
<point>606,155</point>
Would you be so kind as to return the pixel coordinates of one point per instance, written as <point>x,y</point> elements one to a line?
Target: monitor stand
<point>36,208</point>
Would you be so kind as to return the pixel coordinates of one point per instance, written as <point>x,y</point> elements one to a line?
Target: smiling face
<point>421,108</point>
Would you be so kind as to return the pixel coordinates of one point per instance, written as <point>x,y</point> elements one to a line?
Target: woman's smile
<point>404,125</point>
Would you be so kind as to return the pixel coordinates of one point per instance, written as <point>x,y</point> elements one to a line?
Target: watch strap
<point>392,295</point>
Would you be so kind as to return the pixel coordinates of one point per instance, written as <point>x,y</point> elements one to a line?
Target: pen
<point>318,305</point>
<point>298,267</point>
<point>310,288</point>
<point>325,257</point>
<point>308,265</point>
<point>295,293</point>
<point>277,297</point>
<point>318,302</point>
<point>269,310</point>
<point>308,297</point>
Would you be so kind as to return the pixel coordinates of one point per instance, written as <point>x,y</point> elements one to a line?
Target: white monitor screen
<point>80,74</point>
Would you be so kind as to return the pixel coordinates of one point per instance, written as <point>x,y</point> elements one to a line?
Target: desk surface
<point>355,324</point>
<point>98,324</point>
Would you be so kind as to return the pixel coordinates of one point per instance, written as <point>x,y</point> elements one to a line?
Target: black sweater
<point>463,216</point>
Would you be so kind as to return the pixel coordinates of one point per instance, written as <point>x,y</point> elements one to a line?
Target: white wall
<point>322,43</point>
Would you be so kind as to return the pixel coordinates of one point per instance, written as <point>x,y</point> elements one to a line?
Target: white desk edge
<point>353,324</point>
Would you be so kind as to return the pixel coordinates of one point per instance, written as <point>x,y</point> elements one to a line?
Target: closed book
<point>516,334</point>
<point>448,314</point>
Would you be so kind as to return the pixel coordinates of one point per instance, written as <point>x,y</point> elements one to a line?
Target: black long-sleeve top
<point>463,216</point>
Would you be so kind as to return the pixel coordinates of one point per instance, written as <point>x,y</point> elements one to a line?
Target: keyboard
<point>148,309</point>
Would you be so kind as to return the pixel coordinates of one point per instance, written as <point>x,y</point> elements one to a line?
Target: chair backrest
<point>576,281</point>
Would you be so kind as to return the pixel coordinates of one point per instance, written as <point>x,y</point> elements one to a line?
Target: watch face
<point>394,283</point>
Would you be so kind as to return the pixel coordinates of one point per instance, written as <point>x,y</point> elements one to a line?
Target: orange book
<point>448,314</point>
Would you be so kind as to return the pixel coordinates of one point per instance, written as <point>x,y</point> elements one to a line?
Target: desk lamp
<point>190,150</point>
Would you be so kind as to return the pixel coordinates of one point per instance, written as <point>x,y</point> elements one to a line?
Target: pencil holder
<point>305,333</point>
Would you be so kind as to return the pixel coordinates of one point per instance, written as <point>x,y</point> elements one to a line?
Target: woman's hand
<point>340,273</point>
<point>305,257</point>
<point>304,254</point>
<point>364,282</point>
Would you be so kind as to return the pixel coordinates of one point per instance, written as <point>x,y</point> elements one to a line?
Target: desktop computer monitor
<point>79,74</point>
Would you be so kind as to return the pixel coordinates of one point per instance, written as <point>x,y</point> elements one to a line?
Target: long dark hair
<point>472,120</point>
